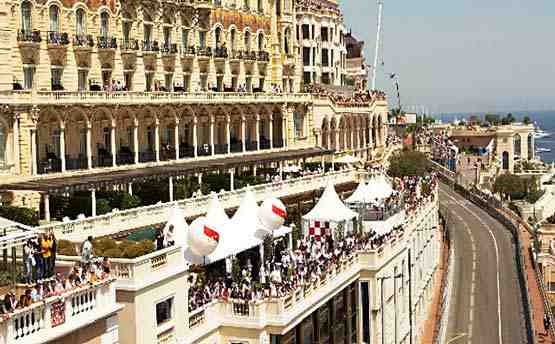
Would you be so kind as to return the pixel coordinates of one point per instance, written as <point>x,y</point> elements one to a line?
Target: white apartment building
<point>321,33</point>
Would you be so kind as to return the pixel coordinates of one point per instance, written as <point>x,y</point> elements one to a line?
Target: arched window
<point>26,16</point>
<point>54,15</point>
<point>104,24</point>
<point>247,40</point>
<point>80,27</point>
<point>516,142</point>
<point>218,37</point>
<point>3,134</point>
<point>232,39</point>
<point>260,41</point>
<point>505,160</point>
<point>260,8</point>
<point>278,7</point>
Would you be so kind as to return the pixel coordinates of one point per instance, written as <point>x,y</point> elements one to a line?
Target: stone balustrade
<point>128,98</point>
<point>141,271</point>
<point>59,315</point>
<point>114,222</point>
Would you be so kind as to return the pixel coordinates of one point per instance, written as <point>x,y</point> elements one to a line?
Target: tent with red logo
<point>329,214</point>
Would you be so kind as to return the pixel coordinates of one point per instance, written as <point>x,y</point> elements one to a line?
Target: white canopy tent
<point>328,214</point>
<point>237,235</point>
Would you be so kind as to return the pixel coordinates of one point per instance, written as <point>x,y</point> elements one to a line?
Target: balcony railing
<point>188,51</point>
<point>249,55</point>
<point>130,44</point>
<point>205,52</point>
<point>114,222</point>
<point>83,41</point>
<point>106,42</point>
<point>263,56</point>
<point>150,46</point>
<point>236,54</point>
<point>57,38</point>
<point>29,36</point>
<point>220,52</point>
<point>68,312</point>
<point>169,49</point>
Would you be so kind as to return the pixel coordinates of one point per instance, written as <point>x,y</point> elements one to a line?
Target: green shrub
<point>25,216</point>
<point>102,206</point>
<point>100,246</point>
<point>128,201</point>
<point>66,248</point>
<point>113,253</point>
<point>147,246</point>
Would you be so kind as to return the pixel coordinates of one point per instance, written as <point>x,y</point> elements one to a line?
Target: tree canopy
<point>408,163</point>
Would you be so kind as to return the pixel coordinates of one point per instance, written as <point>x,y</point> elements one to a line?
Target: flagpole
<point>378,39</point>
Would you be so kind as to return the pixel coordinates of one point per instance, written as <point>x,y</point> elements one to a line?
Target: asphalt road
<point>484,302</point>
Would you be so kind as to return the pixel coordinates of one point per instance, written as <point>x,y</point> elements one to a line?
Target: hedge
<point>25,216</point>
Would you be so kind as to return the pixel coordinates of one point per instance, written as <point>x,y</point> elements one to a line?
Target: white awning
<point>347,159</point>
<point>330,208</point>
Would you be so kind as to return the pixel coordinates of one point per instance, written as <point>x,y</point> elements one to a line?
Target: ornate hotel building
<point>93,87</point>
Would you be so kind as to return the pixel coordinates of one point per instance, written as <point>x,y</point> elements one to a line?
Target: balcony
<point>29,37</point>
<point>204,53</point>
<point>58,316</point>
<point>235,56</point>
<point>83,42</point>
<point>169,49</point>
<point>129,46</point>
<point>57,39</point>
<point>150,47</point>
<point>107,43</point>
<point>220,53</point>
<point>249,56</point>
<point>263,57</point>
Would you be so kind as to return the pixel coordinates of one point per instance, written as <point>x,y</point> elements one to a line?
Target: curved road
<point>484,303</point>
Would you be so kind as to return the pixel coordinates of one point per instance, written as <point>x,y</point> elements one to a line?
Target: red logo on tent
<point>212,234</point>
<point>279,212</point>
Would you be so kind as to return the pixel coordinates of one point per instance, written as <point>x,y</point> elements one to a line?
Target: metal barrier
<point>442,314</point>
<point>495,208</point>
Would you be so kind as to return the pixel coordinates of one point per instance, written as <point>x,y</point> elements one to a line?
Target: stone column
<point>63,145</point>
<point>170,182</point>
<point>157,138</point>
<point>195,143</point>
<point>243,132</point>
<point>271,128</point>
<point>136,140</point>
<point>34,151</point>
<point>257,130</point>
<point>199,179</point>
<point>113,144</point>
<point>176,138</point>
<point>16,152</point>
<point>93,202</point>
<point>89,145</point>
<point>281,170</point>
<point>46,199</point>
<point>284,128</point>
<point>254,170</point>
<point>352,139</point>
<point>232,179</point>
<point>130,188</point>
<point>212,120</point>
<point>228,133</point>
<point>328,134</point>
<point>337,143</point>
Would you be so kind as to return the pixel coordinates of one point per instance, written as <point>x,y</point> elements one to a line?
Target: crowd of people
<point>392,140</point>
<point>81,275</point>
<point>288,271</point>
<point>39,257</point>
<point>355,98</point>
<point>318,5</point>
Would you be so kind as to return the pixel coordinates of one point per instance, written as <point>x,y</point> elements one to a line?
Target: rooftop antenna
<point>378,39</point>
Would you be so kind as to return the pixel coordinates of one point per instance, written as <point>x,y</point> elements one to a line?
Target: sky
<point>462,55</point>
